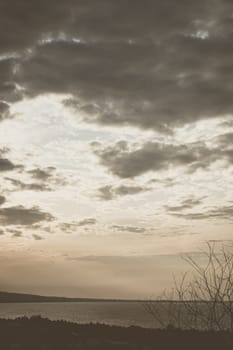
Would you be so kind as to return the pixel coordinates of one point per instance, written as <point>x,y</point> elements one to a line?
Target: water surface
<point>113,313</point>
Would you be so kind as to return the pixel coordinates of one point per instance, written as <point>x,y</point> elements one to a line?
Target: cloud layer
<point>158,65</point>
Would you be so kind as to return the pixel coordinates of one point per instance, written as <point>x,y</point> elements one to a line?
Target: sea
<point>112,313</point>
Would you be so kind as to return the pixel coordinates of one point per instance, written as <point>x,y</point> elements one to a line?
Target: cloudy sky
<point>116,142</point>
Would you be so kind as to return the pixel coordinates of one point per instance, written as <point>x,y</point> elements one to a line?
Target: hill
<point>6,297</point>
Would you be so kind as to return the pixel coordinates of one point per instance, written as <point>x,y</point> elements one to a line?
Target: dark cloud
<point>40,227</point>
<point>19,215</point>
<point>192,216</point>
<point>225,143</point>
<point>15,233</point>
<point>37,237</point>
<point>225,139</point>
<point>86,222</point>
<point>47,177</point>
<point>7,165</point>
<point>4,110</point>
<point>124,190</point>
<point>68,227</point>
<point>109,192</point>
<point>2,232</point>
<point>105,193</point>
<point>224,212</point>
<point>131,160</point>
<point>141,86</point>
<point>23,24</point>
<point>131,229</point>
<point>167,182</point>
<point>186,204</point>
<point>2,200</point>
<point>71,226</point>
<point>21,186</point>
<point>9,90</point>
<point>46,180</point>
<point>153,64</point>
<point>42,174</point>
<point>152,156</point>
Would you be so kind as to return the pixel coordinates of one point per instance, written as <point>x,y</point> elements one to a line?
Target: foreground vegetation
<point>37,333</point>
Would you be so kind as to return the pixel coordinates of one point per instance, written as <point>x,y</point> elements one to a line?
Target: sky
<point>116,142</point>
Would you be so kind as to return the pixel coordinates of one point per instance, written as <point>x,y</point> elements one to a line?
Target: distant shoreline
<point>7,297</point>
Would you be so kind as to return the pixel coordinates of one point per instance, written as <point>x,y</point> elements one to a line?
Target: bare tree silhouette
<point>202,299</point>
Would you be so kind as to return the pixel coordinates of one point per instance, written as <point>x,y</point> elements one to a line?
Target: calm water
<point>114,313</point>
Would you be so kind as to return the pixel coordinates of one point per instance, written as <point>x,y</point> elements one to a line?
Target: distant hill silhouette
<point>7,297</point>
